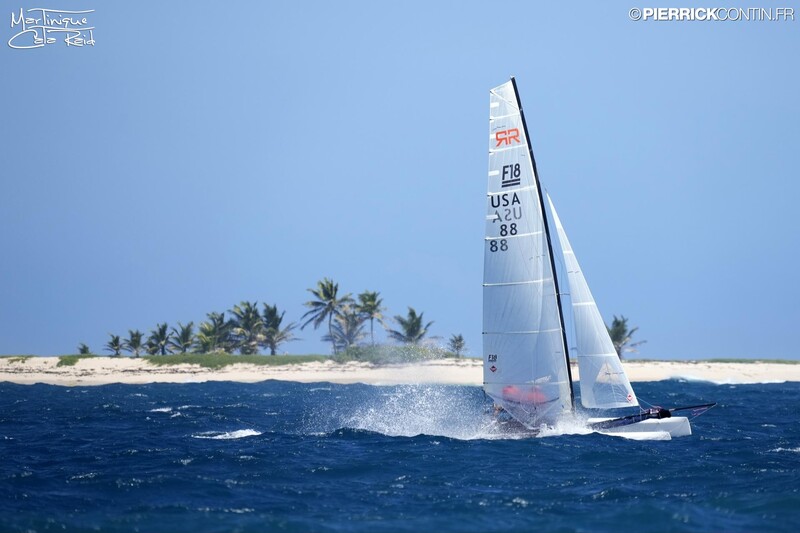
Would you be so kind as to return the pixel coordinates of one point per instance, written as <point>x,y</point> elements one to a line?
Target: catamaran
<point>526,369</point>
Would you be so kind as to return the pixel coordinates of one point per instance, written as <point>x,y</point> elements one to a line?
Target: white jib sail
<point>604,383</point>
<point>525,368</point>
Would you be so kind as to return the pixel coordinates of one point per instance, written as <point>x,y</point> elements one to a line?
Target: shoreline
<point>107,370</point>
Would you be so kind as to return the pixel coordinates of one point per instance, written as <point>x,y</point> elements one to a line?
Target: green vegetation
<point>326,305</point>
<point>19,358</point>
<point>247,327</point>
<point>215,334</point>
<point>248,332</point>
<point>411,329</point>
<point>71,360</point>
<point>621,336</point>
<point>133,343</point>
<point>114,345</point>
<point>370,306</point>
<point>393,354</point>
<point>182,338</point>
<point>457,344</point>
<point>222,359</point>
<point>347,329</point>
<point>158,342</point>
<point>724,360</point>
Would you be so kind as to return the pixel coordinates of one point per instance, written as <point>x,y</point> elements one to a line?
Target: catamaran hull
<point>676,426</point>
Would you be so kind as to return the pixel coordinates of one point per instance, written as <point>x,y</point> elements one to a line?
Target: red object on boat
<point>532,395</point>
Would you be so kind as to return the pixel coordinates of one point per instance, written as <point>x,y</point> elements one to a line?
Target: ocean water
<point>277,456</point>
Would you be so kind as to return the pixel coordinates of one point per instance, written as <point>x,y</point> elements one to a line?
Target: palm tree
<point>214,334</point>
<point>347,330</point>
<point>412,329</point>
<point>621,336</point>
<point>182,337</point>
<point>274,336</point>
<point>370,306</point>
<point>327,305</point>
<point>457,344</point>
<point>84,349</point>
<point>114,345</point>
<point>247,327</point>
<point>158,342</point>
<point>133,343</point>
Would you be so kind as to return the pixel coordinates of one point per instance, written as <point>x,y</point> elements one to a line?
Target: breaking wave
<point>219,435</point>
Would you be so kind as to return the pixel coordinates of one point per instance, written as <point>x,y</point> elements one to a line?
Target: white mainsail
<point>603,381</point>
<point>525,368</point>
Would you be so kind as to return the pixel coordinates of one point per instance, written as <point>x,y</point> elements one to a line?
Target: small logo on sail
<point>630,397</point>
<point>511,175</point>
<point>506,136</point>
<point>493,368</point>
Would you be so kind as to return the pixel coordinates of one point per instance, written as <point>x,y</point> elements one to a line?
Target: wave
<point>729,381</point>
<point>219,435</point>
<point>793,450</point>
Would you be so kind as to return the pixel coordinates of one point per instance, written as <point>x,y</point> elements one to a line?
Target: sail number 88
<point>508,229</point>
<point>502,244</point>
<point>494,245</point>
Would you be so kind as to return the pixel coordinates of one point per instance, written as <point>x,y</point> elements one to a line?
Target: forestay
<point>603,381</point>
<point>525,369</point>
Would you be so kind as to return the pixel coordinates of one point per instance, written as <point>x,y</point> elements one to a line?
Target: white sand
<point>104,370</point>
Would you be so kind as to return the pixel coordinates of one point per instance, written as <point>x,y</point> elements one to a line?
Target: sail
<point>525,369</point>
<point>603,381</point>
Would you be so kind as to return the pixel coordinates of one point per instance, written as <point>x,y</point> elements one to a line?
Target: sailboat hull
<point>676,426</point>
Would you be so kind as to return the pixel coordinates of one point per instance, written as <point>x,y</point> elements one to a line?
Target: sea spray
<point>406,411</point>
<point>410,410</point>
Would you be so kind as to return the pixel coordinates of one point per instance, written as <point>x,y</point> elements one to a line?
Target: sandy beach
<point>105,370</point>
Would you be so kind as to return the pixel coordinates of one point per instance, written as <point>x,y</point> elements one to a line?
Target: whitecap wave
<point>793,450</point>
<point>219,435</point>
<point>688,378</point>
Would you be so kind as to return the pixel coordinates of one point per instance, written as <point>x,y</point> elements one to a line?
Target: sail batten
<point>516,189</point>
<point>525,282</point>
<point>529,332</point>
<point>517,236</point>
<point>506,149</point>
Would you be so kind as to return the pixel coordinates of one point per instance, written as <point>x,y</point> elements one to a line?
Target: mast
<point>549,245</point>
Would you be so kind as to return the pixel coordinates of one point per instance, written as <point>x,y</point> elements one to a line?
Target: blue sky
<point>201,154</point>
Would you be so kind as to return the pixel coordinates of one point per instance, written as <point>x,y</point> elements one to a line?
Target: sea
<point>281,456</point>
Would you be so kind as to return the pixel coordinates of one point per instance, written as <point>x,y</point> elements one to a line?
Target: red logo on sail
<point>506,136</point>
<point>630,397</point>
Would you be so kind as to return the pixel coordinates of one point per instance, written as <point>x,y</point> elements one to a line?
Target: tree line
<point>249,330</point>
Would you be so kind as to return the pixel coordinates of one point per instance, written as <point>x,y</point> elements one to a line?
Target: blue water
<point>278,456</point>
